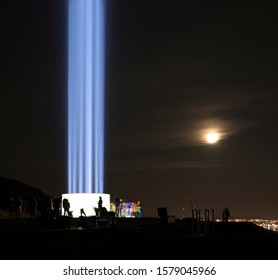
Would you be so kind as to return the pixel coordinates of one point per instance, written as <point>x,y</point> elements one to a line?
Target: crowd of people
<point>124,208</point>
<point>118,207</point>
<point>24,207</point>
<point>58,207</point>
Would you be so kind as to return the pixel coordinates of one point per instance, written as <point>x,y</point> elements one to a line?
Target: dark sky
<point>174,69</point>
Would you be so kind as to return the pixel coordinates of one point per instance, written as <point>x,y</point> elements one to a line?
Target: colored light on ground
<point>85,96</point>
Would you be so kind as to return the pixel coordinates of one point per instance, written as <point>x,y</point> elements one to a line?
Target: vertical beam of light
<point>85,96</point>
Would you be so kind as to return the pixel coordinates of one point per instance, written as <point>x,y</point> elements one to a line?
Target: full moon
<point>212,137</point>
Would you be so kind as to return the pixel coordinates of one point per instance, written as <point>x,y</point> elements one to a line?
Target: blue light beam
<point>85,96</point>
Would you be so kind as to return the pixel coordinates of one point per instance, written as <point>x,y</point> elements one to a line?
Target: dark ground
<point>142,238</point>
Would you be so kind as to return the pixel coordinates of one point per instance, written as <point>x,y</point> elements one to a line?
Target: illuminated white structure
<point>86,201</point>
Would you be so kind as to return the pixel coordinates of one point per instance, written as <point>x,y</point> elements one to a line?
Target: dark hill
<point>142,238</point>
<point>10,188</point>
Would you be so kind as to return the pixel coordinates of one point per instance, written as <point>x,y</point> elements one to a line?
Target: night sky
<point>174,69</point>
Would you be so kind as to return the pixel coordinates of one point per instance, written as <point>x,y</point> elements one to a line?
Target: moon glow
<point>212,137</point>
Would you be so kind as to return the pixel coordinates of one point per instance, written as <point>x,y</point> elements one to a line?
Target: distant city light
<point>85,96</point>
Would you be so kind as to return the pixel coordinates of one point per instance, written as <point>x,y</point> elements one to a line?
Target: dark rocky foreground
<point>139,238</point>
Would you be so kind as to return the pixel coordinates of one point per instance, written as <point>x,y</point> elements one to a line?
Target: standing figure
<point>33,207</point>
<point>51,203</point>
<point>66,206</point>
<point>118,207</point>
<point>133,209</point>
<point>139,209</point>
<point>57,205</point>
<point>100,204</point>
<point>13,207</point>
<point>18,207</point>
<point>226,214</point>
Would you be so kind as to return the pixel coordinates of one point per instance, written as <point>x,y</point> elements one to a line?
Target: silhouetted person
<point>51,203</point>
<point>103,212</point>
<point>226,215</point>
<point>18,207</point>
<point>57,205</point>
<point>133,209</point>
<point>33,207</point>
<point>82,212</point>
<point>100,204</point>
<point>118,207</point>
<point>139,209</point>
<point>66,206</point>
<point>82,222</point>
<point>97,211</point>
<point>13,207</point>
